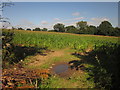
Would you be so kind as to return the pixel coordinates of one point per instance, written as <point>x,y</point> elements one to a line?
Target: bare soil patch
<point>39,59</point>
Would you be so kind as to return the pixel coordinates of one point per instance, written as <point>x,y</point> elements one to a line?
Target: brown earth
<point>68,73</point>
<point>40,59</point>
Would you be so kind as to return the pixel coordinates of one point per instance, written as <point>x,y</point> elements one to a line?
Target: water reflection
<point>60,68</point>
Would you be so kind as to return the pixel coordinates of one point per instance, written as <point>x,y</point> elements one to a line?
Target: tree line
<point>36,29</point>
<point>105,28</point>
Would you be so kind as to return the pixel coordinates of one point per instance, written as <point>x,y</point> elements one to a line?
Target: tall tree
<point>105,28</point>
<point>5,21</point>
<point>28,29</point>
<point>44,29</point>
<point>71,29</point>
<point>59,27</point>
<point>81,25</point>
<point>91,30</point>
<point>37,29</point>
<point>20,28</point>
<point>116,31</point>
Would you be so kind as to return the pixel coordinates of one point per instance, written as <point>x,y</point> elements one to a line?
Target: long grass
<point>61,40</point>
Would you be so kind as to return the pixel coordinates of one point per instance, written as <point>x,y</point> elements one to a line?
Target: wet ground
<point>62,69</point>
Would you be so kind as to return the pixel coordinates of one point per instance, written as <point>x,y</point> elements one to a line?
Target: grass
<point>54,40</point>
<point>75,81</point>
<point>65,57</point>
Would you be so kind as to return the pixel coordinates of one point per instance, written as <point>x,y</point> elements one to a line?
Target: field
<point>92,58</point>
<point>54,40</point>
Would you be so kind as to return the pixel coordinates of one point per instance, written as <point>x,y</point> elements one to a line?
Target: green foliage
<point>116,32</point>
<point>107,67</point>
<point>59,27</point>
<point>59,40</point>
<point>28,29</point>
<point>20,29</point>
<point>91,30</point>
<point>71,29</point>
<point>44,29</point>
<point>103,65</point>
<point>82,25</point>
<point>105,28</point>
<point>7,47</point>
<point>37,29</point>
<point>52,31</point>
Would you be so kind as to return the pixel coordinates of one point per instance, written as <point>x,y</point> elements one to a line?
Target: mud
<point>62,69</point>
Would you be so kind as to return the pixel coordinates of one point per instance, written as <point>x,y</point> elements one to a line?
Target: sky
<point>63,0</point>
<point>47,14</point>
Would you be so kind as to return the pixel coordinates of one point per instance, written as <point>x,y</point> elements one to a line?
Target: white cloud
<point>25,24</point>
<point>92,23</point>
<point>44,22</point>
<point>56,19</point>
<point>73,19</point>
<point>76,14</point>
<point>71,23</point>
<point>66,22</point>
<point>100,19</point>
<point>97,21</point>
<point>79,18</point>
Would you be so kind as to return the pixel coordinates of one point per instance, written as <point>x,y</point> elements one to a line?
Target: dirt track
<point>40,59</point>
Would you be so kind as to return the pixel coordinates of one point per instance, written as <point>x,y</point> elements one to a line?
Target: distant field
<point>54,40</point>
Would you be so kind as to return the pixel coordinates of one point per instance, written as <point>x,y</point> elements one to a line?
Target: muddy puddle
<point>62,70</point>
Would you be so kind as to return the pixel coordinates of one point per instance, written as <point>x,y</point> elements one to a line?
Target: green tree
<point>105,28</point>
<point>116,31</point>
<point>20,28</point>
<point>59,27</point>
<point>91,30</point>
<point>37,29</point>
<point>44,29</point>
<point>28,29</point>
<point>71,29</point>
<point>82,25</point>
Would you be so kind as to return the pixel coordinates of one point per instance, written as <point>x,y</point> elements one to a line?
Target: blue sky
<point>65,0</point>
<point>46,14</point>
